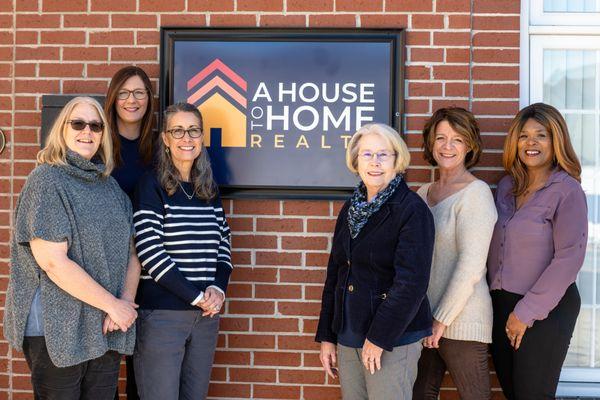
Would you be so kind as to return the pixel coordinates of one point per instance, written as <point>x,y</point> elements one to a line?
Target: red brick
<point>111,38</point>
<point>301,376</point>
<point>494,124</point>
<point>133,54</point>
<point>496,90</point>
<point>36,86</point>
<point>85,86</point>
<point>424,89</point>
<point>187,19</point>
<point>63,37</point>
<point>246,274</point>
<point>305,207</point>
<point>416,106</point>
<point>232,357</point>
<point>451,72</point>
<point>254,241</point>
<point>451,38</point>
<point>459,21</point>
<point>497,7</point>
<point>309,5</point>
<point>250,341</point>
<point>453,6</point>
<point>332,20</point>
<point>151,37</point>
<point>27,118</point>
<point>492,178</point>
<point>321,392</point>
<point>496,23</point>
<point>259,5</point>
<point>278,358</point>
<point>304,243</point>
<point>27,5</point>
<point>278,258</point>
<point>228,389</point>
<point>210,5</point>
<point>275,325</point>
<point>496,39</point>
<point>228,324</point>
<point>292,342</point>
<point>37,53</point>
<point>264,207</point>
<point>239,290</point>
<point>495,108</point>
<point>384,20</point>
<point>32,21</point>
<point>278,291</point>
<point>317,259</point>
<point>299,308</point>
<point>408,5</point>
<point>419,54</point>
<point>302,276</point>
<point>495,142</point>
<point>418,38</point>
<point>495,73</point>
<point>162,6</point>
<point>320,225</point>
<point>85,20</point>
<point>85,54</point>
<point>436,104</point>
<point>427,21</point>
<point>279,224</point>
<point>6,38</point>
<point>283,21</point>
<point>457,89</point>
<point>113,5</point>
<point>417,72</point>
<point>6,6</point>
<point>27,37</point>
<point>252,375</point>
<point>133,21</point>
<point>311,359</point>
<point>250,307</point>
<point>490,160</point>
<point>458,56</point>
<point>276,392</point>
<point>496,55</point>
<point>232,20</point>
<point>359,5</point>
<point>6,21</point>
<point>64,5</point>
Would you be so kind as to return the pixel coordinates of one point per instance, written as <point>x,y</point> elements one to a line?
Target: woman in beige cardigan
<point>464,214</point>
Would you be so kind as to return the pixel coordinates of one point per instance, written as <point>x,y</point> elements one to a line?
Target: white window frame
<point>540,31</point>
<point>539,17</point>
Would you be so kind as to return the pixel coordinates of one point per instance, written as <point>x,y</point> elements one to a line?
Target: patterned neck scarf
<point>361,210</point>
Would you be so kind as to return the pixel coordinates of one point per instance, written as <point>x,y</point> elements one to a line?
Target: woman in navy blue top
<point>129,109</point>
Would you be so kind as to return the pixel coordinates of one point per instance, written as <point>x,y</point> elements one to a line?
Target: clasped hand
<point>212,302</point>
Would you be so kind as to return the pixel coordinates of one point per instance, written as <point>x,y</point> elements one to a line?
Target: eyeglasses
<point>139,94</point>
<point>79,125</point>
<point>381,156</point>
<point>179,133</point>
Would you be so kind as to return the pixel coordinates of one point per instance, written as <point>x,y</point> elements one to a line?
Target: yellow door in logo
<point>220,113</point>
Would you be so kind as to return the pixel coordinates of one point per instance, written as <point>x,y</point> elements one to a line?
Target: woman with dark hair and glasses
<point>73,267</point>
<point>182,239</point>
<point>129,108</point>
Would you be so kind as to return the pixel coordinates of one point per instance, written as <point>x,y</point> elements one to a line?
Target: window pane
<point>569,78</point>
<point>575,6</point>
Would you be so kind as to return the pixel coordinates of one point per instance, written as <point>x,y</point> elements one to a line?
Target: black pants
<point>467,362</point>
<point>532,372</point>
<point>91,380</point>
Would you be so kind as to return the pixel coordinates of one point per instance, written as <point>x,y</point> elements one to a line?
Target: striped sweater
<point>183,246</point>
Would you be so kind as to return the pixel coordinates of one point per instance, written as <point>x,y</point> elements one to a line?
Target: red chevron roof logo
<point>218,82</point>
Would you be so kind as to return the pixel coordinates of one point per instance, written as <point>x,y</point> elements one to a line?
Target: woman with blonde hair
<point>537,249</point>
<point>72,264</point>
<point>374,310</point>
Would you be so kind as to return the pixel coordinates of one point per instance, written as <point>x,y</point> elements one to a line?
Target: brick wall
<point>462,52</point>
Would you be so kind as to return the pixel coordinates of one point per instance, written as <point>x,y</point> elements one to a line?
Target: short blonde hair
<point>55,150</point>
<point>388,133</point>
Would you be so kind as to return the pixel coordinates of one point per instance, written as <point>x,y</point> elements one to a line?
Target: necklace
<point>189,196</point>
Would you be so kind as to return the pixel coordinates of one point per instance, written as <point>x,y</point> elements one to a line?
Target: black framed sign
<point>280,106</point>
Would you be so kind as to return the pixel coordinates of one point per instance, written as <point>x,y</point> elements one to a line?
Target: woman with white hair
<point>72,263</point>
<point>374,310</point>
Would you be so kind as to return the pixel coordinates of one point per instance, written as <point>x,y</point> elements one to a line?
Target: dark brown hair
<point>564,155</point>
<point>201,175</point>
<point>147,138</point>
<point>464,123</point>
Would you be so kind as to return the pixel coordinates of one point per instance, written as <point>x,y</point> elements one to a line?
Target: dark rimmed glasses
<point>79,125</point>
<point>179,133</point>
<point>138,94</point>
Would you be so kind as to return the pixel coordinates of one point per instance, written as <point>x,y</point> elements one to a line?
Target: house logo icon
<point>220,95</point>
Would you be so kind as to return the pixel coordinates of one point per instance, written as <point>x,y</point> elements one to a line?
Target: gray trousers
<point>394,381</point>
<point>174,353</point>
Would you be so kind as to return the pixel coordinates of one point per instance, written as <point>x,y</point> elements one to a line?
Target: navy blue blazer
<point>390,261</point>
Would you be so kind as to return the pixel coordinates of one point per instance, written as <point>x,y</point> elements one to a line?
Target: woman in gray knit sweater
<point>464,215</point>
<point>73,273</point>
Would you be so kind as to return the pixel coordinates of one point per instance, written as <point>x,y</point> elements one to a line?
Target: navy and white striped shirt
<point>183,246</point>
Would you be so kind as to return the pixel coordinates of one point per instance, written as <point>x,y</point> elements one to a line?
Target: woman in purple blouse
<point>537,249</point>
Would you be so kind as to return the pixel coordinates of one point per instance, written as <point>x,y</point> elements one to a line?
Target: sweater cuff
<point>198,299</point>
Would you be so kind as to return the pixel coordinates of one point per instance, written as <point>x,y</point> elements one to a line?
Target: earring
<point>167,150</point>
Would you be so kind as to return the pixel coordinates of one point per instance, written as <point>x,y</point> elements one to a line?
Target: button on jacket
<point>538,250</point>
<point>390,261</point>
